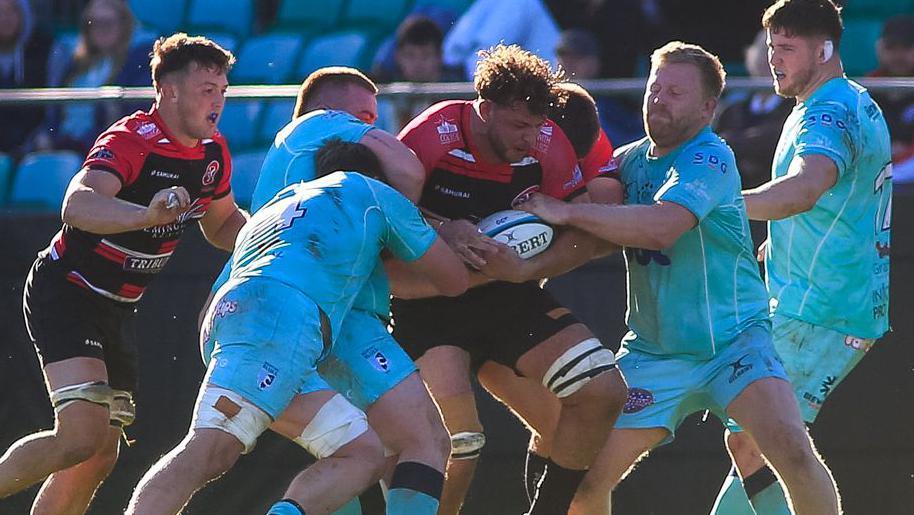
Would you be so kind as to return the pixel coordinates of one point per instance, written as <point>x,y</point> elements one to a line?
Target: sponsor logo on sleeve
<point>448,132</point>
<point>148,130</point>
<point>103,153</point>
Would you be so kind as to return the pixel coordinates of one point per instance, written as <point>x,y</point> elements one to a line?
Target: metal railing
<point>395,91</point>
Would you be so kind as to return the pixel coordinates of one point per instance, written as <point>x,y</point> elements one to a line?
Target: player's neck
<point>656,150</point>
<point>825,74</point>
<point>172,121</point>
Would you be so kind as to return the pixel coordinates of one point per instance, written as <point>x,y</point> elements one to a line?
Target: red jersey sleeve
<point>225,182</point>
<point>434,133</point>
<point>599,161</point>
<point>562,177</point>
<point>119,151</point>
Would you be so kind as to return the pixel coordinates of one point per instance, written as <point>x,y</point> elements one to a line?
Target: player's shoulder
<point>708,150</point>
<point>137,129</point>
<point>623,154</point>
<point>217,139</point>
<point>837,99</point>
<point>440,125</point>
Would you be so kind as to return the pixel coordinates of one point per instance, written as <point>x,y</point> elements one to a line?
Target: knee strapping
<point>337,423</point>
<point>577,366</point>
<point>467,445</point>
<point>119,402</point>
<point>219,408</point>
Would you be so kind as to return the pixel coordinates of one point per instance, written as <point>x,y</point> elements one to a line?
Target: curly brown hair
<point>176,52</point>
<point>506,74</point>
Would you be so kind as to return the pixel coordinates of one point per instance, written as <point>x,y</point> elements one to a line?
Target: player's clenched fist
<point>166,205</point>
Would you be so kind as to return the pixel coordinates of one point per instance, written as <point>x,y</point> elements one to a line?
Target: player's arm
<point>222,221</point>
<point>402,168</point>
<point>654,227</point>
<point>438,272</point>
<point>808,178</point>
<point>90,204</point>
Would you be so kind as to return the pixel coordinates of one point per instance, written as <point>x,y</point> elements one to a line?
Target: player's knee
<point>790,447</point>
<point>229,412</point>
<point>369,451</point>
<point>334,426</point>
<point>467,445</point>
<point>580,372</point>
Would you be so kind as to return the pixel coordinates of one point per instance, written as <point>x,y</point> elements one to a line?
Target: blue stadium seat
<point>858,46</point>
<point>874,8</point>
<point>305,14</point>
<point>267,59</point>
<point>458,7</point>
<point>235,16</point>
<point>42,178</point>
<point>227,41</point>
<point>245,170</point>
<point>278,114</point>
<point>165,16</point>
<point>6,169</point>
<point>347,48</point>
<point>372,13</point>
<point>238,122</point>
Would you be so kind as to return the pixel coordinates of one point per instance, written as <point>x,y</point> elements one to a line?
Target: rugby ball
<point>520,230</point>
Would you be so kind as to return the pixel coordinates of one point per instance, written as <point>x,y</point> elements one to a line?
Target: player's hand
<point>167,205</point>
<point>504,265</point>
<point>762,250</point>
<point>549,209</point>
<point>467,242</point>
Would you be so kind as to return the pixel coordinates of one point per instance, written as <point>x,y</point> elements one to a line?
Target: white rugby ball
<point>520,230</point>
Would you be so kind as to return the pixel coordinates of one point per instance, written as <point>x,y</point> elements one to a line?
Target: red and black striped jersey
<point>599,161</point>
<point>139,151</point>
<point>460,185</point>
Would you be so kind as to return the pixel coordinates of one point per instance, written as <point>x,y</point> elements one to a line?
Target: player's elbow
<point>70,209</point>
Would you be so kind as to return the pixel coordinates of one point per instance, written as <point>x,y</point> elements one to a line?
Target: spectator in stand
<point>23,64</point>
<point>418,58</point>
<point>580,55</point>
<point>752,124</point>
<point>895,50</point>
<point>487,23</point>
<point>104,55</point>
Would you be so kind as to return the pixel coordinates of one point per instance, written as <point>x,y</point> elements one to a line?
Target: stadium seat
<point>372,13</point>
<point>163,16</point>
<point>267,59</point>
<point>238,122</point>
<point>348,48</point>
<point>458,7</point>
<point>858,46</point>
<point>276,115</point>
<point>227,41</point>
<point>6,166</point>
<point>245,170</point>
<point>42,178</point>
<point>876,8</point>
<point>307,14</point>
<point>235,16</point>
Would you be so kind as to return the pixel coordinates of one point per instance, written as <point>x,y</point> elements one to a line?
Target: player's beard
<point>794,84</point>
<point>666,131</point>
<point>501,150</point>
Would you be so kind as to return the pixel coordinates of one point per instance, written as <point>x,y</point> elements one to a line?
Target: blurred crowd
<point>79,43</point>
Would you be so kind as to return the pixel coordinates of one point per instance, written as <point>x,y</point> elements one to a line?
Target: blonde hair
<point>712,71</point>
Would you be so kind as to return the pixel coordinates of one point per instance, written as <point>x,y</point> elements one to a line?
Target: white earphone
<point>828,50</point>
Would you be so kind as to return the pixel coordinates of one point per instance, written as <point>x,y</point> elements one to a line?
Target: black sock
<point>418,477</point>
<point>534,468</point>
<point>372,500</point>
<point>759,480</point>
<point>556,490</point>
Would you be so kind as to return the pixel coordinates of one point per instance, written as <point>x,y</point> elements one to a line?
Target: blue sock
<point>766,494</point>
<point>732,499</point>
<point>414,490</point>
<point>353,507</point>
<point>286,507</point>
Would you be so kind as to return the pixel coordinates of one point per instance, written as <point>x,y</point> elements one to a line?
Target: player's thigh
<point>768,411</point>
<point>623,448</point>
<point>535,362</point>
<point>529,399</point>
<point>425,425</point>
<point>446,371</point>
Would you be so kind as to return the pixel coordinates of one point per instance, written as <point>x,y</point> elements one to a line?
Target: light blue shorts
<point>365,362</point>
<point>816,359</point>
<point>664,390</point>
<point>266,341</point>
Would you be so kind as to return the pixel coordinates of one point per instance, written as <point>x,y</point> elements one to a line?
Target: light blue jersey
<point>324,238</point>
<point>291,160</point>
<point>695,298</point>
<point>829,266</point>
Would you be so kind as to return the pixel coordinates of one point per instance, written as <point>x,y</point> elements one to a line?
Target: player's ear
<point>485,109</point>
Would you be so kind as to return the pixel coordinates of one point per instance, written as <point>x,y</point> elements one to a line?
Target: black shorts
<point>66,321</point>
<point>499,322</point>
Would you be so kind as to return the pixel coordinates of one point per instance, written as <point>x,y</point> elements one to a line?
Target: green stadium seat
<point>6,169</point>
<point>42,178</point>
<point>874,8</point>
<point>239,121</point>
<point>245,171</point>
<point>277,114</point>
<point>234,16</point>
<point>164,16</point>
<point>384,15</point>
<point>458,7</point>
<point>347,48</point>
<point>309,14</point>
<point>267,59</point>
<point>227,41</point>
<point>858,46</point>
